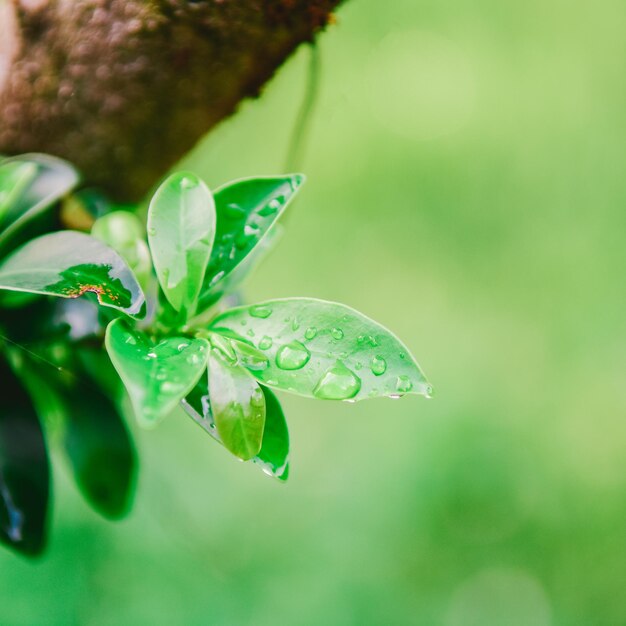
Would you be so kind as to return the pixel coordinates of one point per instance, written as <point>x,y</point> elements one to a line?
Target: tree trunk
<point>124,88</point>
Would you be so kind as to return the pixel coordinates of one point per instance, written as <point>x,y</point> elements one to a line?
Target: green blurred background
<point>466,189</point>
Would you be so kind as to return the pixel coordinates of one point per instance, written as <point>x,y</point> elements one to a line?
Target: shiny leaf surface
<point>237,406</point>
<point>69,264</point>
<point>14,177</point>
<point>51,180</point>
<point>158,375</point>
<point>24,470</point>
<point>274,453</point>
<point>181,230</point>
<point>246,211</point>
<point>325,350</point>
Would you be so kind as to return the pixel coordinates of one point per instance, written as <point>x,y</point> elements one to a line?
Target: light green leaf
<point>51,180</point>
<point>69,264</point>
<point>124,232</point>
<point>274,454</point>
<point>237,406</point>
<point>158,375</point>
<point>246,210</point>
<point>14,177</point>
<point>181,230</point>
<point>325,350</point>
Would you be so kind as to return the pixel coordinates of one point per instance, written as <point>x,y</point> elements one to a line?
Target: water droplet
<point>357,365</point>
<point>292,356</point>
<point>265,343</point>
<point>402,355</point>
<point>187,183</point>
<point>310,332</point>
<point>182,346</point>
<point>152,232</point>
<point>428,391</point>
<point>257,399</point>
<point>395,396</point>
<point>260,311</point>
<point>193,359</point>
<point>250,333</point>
<point>350,401</point>
<point>131,340</point>
<point>403,384</point>
<point>152,355</point>
<point>169,387</point>
<point>337,383</point>
<point>270,208</point>
<point>295,324</point>
<point>234,211</point>
<point>337,333</point>
<point>378,365</point>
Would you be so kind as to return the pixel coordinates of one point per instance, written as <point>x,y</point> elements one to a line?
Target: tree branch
<point>124,88</point>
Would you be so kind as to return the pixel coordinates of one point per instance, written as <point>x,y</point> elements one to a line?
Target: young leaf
<point>24,470</point>
<point>325,350</point>
<point>156,376</point>
<point>246,211</point>
<point>124,232</point>
<point>181,230</point>
<point>237,405</point>
<point>53,178</point>
<point>14,177</point>
<point>69,264</point>
<point>274,453</point>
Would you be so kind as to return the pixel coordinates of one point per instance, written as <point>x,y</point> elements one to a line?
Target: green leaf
<point>246,210</point>
<point>158,375</point>
<point>69,264</point>
<point>181,230</point>
<point>274,453</point>
<point>237,406</point>
<point>14,177</point>
<point>325,350</point>
<point>92,432</point>
<point>53,178</point>
<point>124,232</point>
<point>24,470</point>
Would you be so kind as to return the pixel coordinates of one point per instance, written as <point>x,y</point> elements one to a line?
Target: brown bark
<point>124,88</point>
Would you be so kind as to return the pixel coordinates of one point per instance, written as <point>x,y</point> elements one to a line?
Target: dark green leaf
<point>24,470</point>
<point>181,230</point>
<point>92,432</point>
<point>325,350</point>
<point>69,264</point>
<point>237,406</point>
<point>158,375</point>
<point>246,210</point>
<point>53,178</point>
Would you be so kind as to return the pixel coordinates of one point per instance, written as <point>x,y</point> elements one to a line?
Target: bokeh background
<point>466,189</point>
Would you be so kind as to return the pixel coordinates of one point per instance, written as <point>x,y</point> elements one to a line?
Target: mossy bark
<point>124,88</point>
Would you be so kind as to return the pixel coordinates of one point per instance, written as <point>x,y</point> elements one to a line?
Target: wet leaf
<point>24,470</point>
<point>51,180</point>
<point>246,211</point>
<point>181,230</point>
<point>157,375</point>
<point>237,407</point>
<point>325,350</point>
<point>69,264</point>
<point>274,453</point>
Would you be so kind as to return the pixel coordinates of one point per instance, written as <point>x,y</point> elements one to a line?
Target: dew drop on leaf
<point>265,343</point>
<point>337,383</point>
<point>292,356</point>
<point>378,365</point>
<point>403,384</point>
<point>337,333</point>
<point>260,311</point>
<point>310,333</point>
